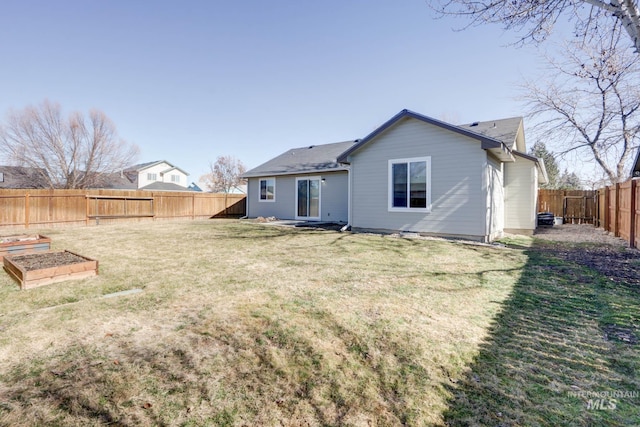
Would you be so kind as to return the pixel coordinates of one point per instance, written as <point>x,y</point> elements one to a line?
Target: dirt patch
<point>32,262</point>
<point>610,257</point>
<point>578,233</point>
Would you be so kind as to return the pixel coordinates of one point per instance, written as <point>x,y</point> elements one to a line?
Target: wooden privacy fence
<point>25,208</point>
<point>621,213</point>
<point>574,206</point>
<point>615,208</point>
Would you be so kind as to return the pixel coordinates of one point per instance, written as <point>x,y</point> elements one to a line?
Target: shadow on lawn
<point>564,349</point>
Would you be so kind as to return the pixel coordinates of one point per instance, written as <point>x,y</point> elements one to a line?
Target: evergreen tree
<point>539,150</point>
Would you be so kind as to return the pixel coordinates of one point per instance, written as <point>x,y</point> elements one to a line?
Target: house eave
<point>298,172</point>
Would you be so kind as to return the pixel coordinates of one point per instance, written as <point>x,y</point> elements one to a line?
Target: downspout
<point>349,203</point>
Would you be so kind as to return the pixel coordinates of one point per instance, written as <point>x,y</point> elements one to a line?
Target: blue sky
<point>188,81</point>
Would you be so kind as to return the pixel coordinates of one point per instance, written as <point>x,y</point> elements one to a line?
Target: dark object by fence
<point>545,219</point>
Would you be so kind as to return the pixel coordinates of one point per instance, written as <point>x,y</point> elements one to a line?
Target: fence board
<point>624,210</point>
<point>636,215</point>
<point>25,208</point>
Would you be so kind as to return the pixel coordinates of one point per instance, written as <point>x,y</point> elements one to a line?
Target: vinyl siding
<point>333,197</point>
<point>520,195</point>
<point>457,176</point>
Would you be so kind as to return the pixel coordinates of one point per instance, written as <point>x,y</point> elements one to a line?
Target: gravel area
<point>578,233</point>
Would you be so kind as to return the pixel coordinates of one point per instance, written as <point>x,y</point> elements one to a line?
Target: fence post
<point>632,216</point>
<point>26,210</point>
<point>616,212</point>
<point>607,214</point>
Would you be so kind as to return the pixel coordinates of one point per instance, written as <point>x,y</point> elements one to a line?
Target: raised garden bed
<point>23,244</point>
<point>33,270</point>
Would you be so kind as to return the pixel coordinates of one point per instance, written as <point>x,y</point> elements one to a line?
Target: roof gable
<point>487,142</point>
<point>310,159</point>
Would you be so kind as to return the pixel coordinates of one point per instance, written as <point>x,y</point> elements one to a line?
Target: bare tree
<point>71,152</point>
<point>224,176</point>
<point>536,18</point>
<point>591,105</point>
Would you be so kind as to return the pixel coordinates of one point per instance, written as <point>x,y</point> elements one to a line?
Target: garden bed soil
<point>23,244</point>
<point>33,270</point>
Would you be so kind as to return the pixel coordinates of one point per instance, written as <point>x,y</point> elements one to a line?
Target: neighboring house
<point>158,176</point>
<point>635,170</point>
<point>22,177</point>
<point>412,174</point>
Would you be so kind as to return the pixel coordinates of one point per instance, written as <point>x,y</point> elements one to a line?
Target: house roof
<point>488,142</point>
<point>309,159</point>
<point>23,177</point>
<point>165,186</point>
<point>117,181</point>
<point>142,166</point>
<point>504,130</point>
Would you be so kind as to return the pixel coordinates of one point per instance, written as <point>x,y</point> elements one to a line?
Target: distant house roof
<point>194,187</point>
<point>142,166</point>
<point>497,146</point>
<point>118,181</point>
<point>22,177</point>
<point>309,159</point>
<point>164,186</point>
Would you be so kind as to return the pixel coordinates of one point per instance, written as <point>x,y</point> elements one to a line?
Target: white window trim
<point>390,206</point>
<point>260,199</point>
<point>310,218</point>
<point>152,176</point>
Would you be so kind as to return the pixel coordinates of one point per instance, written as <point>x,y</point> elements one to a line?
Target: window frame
<point>175,178</point>
<point>151,176</point>
<point>408,161</point>
<point>1,176</point>
<point>270,178</point>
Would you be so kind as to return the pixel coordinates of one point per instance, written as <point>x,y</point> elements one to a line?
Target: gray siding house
<point>413,174</point>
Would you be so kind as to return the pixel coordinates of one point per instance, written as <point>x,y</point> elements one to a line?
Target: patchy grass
<point>564,349</point>
<point>248,324</point>
<point>245,324</point>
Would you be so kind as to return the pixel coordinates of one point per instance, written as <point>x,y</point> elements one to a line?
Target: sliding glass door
<point>308,198</point>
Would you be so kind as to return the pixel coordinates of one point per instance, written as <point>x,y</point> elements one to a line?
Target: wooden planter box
<point>74,267</point>
<point>23,244</point>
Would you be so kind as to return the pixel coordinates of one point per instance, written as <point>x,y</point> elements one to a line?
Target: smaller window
<point>267,190</point>
<point>1,176</point>
<point>175,178</point>
<point>152,177</point>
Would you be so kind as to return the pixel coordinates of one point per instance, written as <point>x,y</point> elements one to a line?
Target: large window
<point>152,176</point>
<point>410,184</point>
<point>267,189</point>
<point>175,178</point>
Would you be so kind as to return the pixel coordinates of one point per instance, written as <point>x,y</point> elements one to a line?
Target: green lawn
<point>247,324</point>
